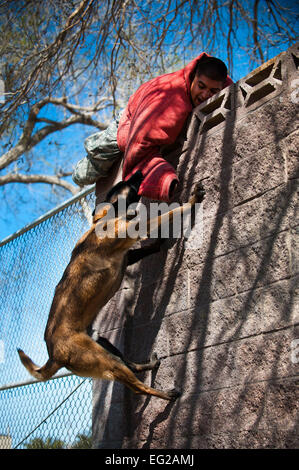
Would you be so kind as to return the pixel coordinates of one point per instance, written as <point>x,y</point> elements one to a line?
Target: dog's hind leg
<point>153,363</point>
<point>89,359</point>
<point>105,343</point>
<point>127,378</point>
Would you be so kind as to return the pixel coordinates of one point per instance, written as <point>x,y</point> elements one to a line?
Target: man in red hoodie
<point>154,117</point>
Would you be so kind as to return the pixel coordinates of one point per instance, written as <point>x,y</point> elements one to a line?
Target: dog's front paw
<point>198,194</point>
<point>173,394</point>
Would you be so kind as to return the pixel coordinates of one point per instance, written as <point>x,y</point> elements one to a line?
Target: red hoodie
<point>155,116</point>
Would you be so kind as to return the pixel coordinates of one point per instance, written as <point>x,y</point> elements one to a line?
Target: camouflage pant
<point>102,152</point>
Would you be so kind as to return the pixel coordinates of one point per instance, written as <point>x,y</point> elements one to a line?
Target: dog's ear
<point>135,180</point>
<point>114,190</point>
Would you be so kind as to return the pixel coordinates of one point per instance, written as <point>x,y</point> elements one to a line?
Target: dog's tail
<point>40,373</point>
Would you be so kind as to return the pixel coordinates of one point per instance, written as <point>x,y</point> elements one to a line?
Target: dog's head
<point>128,190</point>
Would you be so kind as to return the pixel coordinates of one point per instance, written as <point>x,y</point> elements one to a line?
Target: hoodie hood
<point>190,68</point>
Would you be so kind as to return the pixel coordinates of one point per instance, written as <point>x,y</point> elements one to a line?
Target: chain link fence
<point>57,413</point>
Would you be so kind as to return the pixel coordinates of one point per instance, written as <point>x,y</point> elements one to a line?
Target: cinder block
<point>237,362</point>
<point>225,320</point>
<point>268,214</point>
<point>216,278</point>
<point>261,85</point>
<point>292,63</point>
<point>289,147</point>
<point>283,111</point>
<point>261,171</point>
<point>264,262</point>
<point>208,159</point>
<point>225,411</point>
<point>216,112</point>
<point>282,405</point>
<point>266,126</point>
<point>113,315</point>
<point>251,439</point>
<point>141,341</point>
<point>249,267</point>
<point>154,301</point>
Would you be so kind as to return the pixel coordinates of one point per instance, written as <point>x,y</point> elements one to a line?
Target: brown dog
<point>94,274</point>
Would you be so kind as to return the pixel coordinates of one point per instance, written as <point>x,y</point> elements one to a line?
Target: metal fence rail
<point>32,414</point>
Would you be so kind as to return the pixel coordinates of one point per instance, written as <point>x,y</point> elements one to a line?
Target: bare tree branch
<point>31,178</point>
<point>28,139</point>
<point>50,51</point>
<point>255,33</point>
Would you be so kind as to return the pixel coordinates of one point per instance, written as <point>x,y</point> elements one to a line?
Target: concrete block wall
<point>222,318</point>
